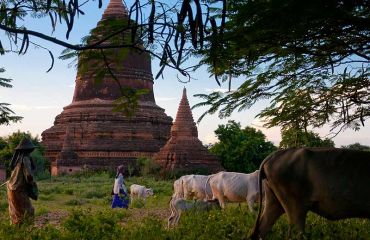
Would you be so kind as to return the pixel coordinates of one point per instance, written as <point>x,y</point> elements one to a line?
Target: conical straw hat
<point>25,144</point>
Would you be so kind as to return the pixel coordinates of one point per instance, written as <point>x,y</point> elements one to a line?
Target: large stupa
<point>184,152</point>
<point>88,134</point>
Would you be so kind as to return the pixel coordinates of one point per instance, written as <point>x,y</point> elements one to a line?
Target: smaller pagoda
<point>184,152</point>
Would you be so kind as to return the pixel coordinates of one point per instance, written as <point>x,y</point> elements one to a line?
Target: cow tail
<point>261,176</point>
<point>182,188</point>
<point>205,186</point>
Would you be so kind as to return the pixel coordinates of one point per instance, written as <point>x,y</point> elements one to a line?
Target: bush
<point>94,194</point>
<point>47,197</point>
<point>142,166</point>
<point>68,191</point>
<point>43,175</point>
<point>137,203</point>
<point>87,225</point>
<point>75,202</point>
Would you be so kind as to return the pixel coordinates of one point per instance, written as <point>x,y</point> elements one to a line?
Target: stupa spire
<point>184,124</point>
<point>115,9</point>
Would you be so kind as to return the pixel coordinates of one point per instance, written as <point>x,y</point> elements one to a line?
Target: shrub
<point>43,175</point>
<point>95,194</point>
<point>146,166</point>
<point>68,191</point>
<point>75,202</point>
<point>46,197</point>
<point>137,203</point>
<point>100,225</point>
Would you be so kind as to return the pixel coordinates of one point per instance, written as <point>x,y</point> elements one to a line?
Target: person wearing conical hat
<point>21,184</point>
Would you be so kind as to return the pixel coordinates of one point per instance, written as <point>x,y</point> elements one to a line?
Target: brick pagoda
<point>87,134</point>
<point>184,151</point>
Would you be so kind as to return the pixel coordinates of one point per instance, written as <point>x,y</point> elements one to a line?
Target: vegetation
<point>7,149</point>
<point>299,138</point>
<point>312,62</point>
<point>169,32</point>
<point>241,150</point>
<point>67,209</point>
<point>6,114</point>
<point>357,146</point>
<point>143,166</point>
<point>311,59</point>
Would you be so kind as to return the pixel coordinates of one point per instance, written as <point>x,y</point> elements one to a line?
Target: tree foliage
<point>10,142</point>
<point>6,114</point>
<point>170,32</point>
<point>298,138</point>
<point>310,58</point>
<point>241,150</point>
<point>357,146</point>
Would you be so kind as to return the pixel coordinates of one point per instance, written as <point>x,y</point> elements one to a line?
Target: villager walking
<point>21,185</point>
<point>120,197</point>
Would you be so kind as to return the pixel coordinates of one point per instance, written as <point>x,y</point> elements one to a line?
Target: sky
<point>39,96</point>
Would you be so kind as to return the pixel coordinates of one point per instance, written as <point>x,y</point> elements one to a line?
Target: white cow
<point>192,187</point>
<point>138,191</point>
<point>235,187</point>
<point>179,205</point>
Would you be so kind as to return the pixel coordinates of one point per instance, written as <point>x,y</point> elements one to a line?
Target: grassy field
<point>78,207</point>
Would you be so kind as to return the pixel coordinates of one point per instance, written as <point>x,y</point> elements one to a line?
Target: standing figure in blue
<point>120,197</point>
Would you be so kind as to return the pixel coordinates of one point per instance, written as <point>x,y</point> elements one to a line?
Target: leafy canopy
<point>241,149</point>
<point>357,146</point>
<point>310,58</point>
<point>6,114</point>
<point>298,138</point>
<point>10,142</point>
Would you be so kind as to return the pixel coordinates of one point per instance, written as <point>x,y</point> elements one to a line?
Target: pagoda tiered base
<point>89,135</point>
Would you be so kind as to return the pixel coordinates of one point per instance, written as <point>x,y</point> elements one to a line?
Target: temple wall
<point>67,170</point>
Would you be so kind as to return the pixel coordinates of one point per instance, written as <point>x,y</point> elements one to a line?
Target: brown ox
<point>333,183</point>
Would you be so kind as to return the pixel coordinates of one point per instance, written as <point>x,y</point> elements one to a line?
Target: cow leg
<point>177,218</point>
<point>295,210</point>
<point>251,200</point>
<point>297,218</point>
<point>272,210</point>
<point>171,217</point>
<point>221,201</point>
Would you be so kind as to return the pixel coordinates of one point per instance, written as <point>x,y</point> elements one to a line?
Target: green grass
<point>85,201</point>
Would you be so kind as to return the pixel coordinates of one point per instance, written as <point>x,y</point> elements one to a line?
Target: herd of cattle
<point>334,183</point>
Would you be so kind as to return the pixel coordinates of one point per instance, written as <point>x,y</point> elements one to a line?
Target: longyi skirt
<point>20,206</point>
<point>119,201</point>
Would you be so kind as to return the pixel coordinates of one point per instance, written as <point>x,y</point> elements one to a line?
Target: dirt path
<point>52,218</point>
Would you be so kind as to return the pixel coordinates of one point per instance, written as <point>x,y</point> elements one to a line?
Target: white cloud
<point>222,90</point>
<point>72,85</point>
